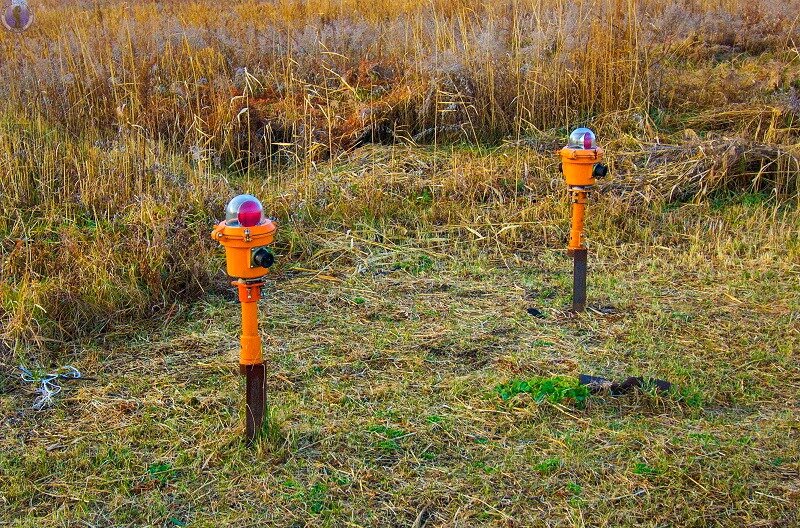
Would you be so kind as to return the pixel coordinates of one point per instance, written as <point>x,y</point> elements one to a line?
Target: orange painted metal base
<point>249,295</point>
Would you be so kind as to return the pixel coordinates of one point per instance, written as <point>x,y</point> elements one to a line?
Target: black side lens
<point>263,258</point>
<point>600,171</point>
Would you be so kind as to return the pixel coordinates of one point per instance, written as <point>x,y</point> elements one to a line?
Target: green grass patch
<point>555,389</point>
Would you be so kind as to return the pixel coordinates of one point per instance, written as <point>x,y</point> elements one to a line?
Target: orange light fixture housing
<point>245,234</point>
<point>579,157</point>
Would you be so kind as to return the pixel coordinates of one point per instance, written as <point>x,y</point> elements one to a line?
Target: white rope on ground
<point>49,386</point>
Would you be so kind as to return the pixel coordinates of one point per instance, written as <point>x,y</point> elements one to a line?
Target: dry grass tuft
<point>699,169</point>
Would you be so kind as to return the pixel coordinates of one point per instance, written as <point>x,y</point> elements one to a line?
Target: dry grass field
<point>407,150</point>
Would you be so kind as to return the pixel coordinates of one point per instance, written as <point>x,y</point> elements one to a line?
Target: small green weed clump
<point>554,389</point>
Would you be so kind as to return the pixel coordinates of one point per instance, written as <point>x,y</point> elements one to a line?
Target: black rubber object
<point>598,384</point>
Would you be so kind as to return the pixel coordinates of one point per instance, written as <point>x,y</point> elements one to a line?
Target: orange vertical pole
<point>251,359</point>
<point>251,341</point>
<point>579,199</point>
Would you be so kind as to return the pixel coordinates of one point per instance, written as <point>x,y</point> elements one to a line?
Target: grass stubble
<point>407,151</point>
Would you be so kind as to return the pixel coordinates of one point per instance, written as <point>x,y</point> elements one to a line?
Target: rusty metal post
<point>579,268</point>
<point>256,395</point>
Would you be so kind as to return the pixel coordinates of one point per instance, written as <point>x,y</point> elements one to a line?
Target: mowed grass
<point>382,394</point>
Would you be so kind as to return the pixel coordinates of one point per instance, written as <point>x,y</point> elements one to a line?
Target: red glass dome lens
<point>250,213</point>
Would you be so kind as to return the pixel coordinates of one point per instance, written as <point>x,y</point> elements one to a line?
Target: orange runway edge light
<point>581,165</point>
<point>245,234</point>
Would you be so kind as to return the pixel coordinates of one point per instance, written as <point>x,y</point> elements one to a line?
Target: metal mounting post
<point>579,267</point>
<point>256,397</point>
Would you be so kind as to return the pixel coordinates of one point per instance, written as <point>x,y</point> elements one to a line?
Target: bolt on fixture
<point>581,166</point>
<point>246,234</point>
